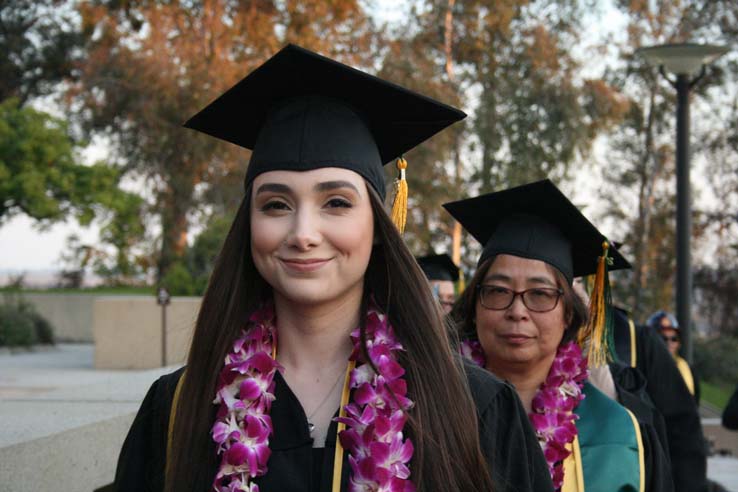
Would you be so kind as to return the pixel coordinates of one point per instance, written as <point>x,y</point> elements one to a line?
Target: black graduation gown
<point>508,442</point>
<point>630,386</point>
<point>672,400</point>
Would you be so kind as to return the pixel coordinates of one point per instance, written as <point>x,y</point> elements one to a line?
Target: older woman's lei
<point>378,452</point>
<point>553,405</point>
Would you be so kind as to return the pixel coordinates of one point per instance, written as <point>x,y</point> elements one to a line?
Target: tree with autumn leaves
<point>150,65</point>
<point>144,66</point>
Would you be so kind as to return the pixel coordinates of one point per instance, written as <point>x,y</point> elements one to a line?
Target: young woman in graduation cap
<point>520,318</point>
<point>319,360</point>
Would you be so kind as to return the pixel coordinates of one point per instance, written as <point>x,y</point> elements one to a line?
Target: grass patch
<point>716,394</point>
<point>122,291</point>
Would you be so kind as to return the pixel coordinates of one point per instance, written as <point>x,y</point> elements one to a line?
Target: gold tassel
<point>594,330</point>
<point>399,206</point>
<point>461,284</point>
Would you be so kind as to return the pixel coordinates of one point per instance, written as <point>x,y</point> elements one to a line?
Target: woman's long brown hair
<point>442,424</point>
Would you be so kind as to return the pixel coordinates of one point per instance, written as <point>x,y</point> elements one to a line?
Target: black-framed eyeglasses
<point>538,300</point>
<point>673,338</point>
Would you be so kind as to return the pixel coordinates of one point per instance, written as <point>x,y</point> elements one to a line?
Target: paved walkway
<point>54,392</point>
<point>62,422</point>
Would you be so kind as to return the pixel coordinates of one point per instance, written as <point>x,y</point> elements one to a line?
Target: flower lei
<point>378,452</point>
<point>553,405</point>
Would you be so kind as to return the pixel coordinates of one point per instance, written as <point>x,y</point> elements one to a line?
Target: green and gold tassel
<point>599,328</point>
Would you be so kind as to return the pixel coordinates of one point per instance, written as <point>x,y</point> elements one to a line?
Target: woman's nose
<point>305,232</point>
<point>517,309</point>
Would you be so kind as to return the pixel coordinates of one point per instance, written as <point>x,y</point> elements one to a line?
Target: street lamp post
<point>683,60</point>
<point>163,299</point>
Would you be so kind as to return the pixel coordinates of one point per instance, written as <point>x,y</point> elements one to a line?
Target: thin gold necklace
<point>311,426</point>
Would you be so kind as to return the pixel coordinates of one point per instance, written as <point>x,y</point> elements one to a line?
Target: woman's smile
<point>304,265</point>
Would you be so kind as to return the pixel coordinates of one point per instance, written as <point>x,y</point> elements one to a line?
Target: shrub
<point>16,327</point>
<point>44,330</point>
<point>42,327</point>
<point>178,281</point>
<point>16,314</point>
<point>715,359</point>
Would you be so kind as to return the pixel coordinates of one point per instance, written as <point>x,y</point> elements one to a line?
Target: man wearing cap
<point>442,273</point>
<point>666,325</point>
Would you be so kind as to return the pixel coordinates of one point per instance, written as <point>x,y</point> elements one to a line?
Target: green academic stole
<point>608,452</point>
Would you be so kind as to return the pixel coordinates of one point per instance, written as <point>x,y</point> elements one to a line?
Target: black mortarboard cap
<point>301,111</point>
<point>439,267</point>
<point>535,221</point>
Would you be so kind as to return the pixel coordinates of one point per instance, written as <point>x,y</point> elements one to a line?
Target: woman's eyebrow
<point>273,187</point>
<point>333,185</point>
<point>497,276</point>
<point>504,278</point>
<point>542,280</point>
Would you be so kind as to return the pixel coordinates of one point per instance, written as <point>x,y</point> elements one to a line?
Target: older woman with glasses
<point>520,319</point>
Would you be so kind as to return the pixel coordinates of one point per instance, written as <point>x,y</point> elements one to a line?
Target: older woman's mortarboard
<point>535,221</point>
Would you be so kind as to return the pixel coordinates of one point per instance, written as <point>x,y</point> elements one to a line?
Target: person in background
<point>641,347</point>
<point>442,273</point>
<point>666,325</point>
<point>521,320</point>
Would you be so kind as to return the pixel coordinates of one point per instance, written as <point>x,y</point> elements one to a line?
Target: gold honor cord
<point>338,458</point>
<point>573,472</point>
<point>170,430</point>
<point>633,352</point>
<point>641,452</point>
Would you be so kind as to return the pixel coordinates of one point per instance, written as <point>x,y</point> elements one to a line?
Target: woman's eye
<point>338,203</point>
<point>274,205</point>
<point>497,290</point>
<point>541,293</point>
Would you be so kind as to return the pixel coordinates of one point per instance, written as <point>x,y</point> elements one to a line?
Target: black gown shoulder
<point>506,435</point>
<point>143,456</point>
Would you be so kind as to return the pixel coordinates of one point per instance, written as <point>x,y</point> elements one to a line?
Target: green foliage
<point>178,281</point>
<point>39,175</point>
<point>200,257</point>
<point>715,359</point>
<point>16,327</point>
<point>38,46</point>
<point>534,115</point>
<point>44,330</point>
<point>16,316</point>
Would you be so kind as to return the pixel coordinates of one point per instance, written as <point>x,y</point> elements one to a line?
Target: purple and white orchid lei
<point>378,452</point>
<point>553,405</point>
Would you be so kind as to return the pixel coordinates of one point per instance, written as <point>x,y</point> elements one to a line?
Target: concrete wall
<point>127,331</point>
<point>69,314</point>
